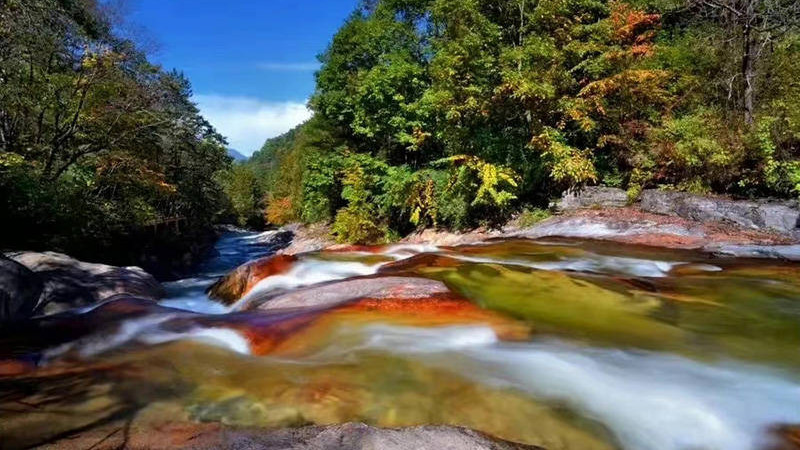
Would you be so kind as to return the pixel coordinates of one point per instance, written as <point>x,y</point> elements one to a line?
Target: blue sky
<point>251,62</point>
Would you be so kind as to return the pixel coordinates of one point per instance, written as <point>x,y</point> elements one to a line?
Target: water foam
<point>306,273</point>
<point>609,265</point>
<point>148,330</point>
<point>649,401</point>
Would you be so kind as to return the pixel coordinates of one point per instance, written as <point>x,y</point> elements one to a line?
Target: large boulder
<point>782,216</point>
<point>69,283</point>
<point>20,289</point>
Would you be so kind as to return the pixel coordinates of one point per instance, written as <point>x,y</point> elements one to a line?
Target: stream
<point>565,344</point>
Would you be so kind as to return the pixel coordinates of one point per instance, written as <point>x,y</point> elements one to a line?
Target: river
<point>567,344</point>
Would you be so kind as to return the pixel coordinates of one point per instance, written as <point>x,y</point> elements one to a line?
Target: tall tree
<point>754,25</point>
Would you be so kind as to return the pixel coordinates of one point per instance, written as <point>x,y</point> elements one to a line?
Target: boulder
<point>275,239</point>
<point>20,290</point>
<point>592,197</point>
<point>236,284</point>
<point>308,238</point>
<point>336,293</point>
<point>69,283</point>
<point>782,216</point>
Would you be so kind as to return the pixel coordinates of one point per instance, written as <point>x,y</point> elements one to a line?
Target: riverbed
<point>561,343</point>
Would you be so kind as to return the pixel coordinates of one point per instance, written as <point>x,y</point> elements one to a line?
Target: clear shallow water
<point>564,344</point>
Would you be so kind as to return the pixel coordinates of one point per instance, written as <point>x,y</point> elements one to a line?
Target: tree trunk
<point>748,66</point>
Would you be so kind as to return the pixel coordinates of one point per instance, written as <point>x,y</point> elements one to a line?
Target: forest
<point>460,113</point>
<point>102,153</point>
<point>427,113</point>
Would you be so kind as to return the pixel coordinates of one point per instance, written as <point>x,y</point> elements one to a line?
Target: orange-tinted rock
<point>336,293</point>
<point>263,331</point>
<point>440,310</point>
<point>787,437</point>
<point>236,284</point>
<point>12,367</point>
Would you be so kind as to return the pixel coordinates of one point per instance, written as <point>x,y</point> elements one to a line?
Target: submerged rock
<point>69,283</point>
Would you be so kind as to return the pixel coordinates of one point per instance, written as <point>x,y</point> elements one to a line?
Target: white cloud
<point>289,66</point>
<point>248,122</point>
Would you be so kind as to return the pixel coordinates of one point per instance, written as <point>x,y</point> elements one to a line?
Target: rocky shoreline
<point>720,226</point>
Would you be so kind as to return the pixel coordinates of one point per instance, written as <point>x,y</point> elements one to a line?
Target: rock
<point>236,284</point>
<point>621,225</point>
<point>276,239</point>
<point>20,290</point>
<point>785,252</point>
<point>782,216</point>
<point>308,238</point>
<point>348,436</point>
<point>69,283</point>
<point>448,238</point>
<point>786,437</point>
<point>593,197</point>
<point>335,293</point>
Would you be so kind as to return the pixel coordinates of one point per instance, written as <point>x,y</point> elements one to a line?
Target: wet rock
<point>593,197</point>
<point>236,284</point>
<point>785,252</point>
<point>786,437</point>
<point>336,293</point>
<point>348,436</point>
<point>781,216</point>
<point>69,283</point>
<point>276,239</point>
<point>308,238</point>
<point>20,290</point>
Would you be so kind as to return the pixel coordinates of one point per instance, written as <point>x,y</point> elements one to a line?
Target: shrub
<point>280,211</point>
<point>530,217</point>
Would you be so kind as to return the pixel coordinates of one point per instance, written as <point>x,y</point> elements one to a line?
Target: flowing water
<point>566,344</point>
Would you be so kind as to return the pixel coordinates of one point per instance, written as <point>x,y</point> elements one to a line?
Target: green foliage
<point>97,145</point>
<point>242,188</point>
<point>358,222</point>
<point>530,217</point>
<point>452,113</point>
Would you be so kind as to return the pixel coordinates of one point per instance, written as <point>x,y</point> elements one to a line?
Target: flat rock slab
<point>348,436</point>
<point>632,226</point>
<point>335,293</point>
<point>785,252</point>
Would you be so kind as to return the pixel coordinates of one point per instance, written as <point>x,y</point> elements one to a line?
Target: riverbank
<point>720,226</point>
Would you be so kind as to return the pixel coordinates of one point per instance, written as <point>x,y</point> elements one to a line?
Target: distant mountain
<point>238,157</point>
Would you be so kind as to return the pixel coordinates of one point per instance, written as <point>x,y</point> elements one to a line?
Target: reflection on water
<point>563,344</point>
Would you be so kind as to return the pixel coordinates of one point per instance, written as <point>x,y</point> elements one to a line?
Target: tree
<point>754,25</point>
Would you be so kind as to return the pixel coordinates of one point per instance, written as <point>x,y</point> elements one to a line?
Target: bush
<point>280,211</point>
<point>530,217</point>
